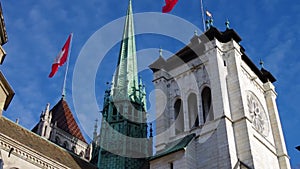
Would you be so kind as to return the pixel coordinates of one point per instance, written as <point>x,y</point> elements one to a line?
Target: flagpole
<point>63,94</point>
<point>202,12</point>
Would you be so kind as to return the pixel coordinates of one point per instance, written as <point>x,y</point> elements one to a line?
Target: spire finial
<point>227,24</point>
<point>107,84</point>
<point>209,22</point>
<point>140,84</point>
<point>130,5</point>
<point>209,19</point>
<point>261,63</point>
<point>160,51</point>
<point>125,78</point>
<point>47,107</point>
<point>96,124</point>
<point>95,130</point>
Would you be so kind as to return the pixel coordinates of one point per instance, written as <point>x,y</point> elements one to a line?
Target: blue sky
<point>38,29</point>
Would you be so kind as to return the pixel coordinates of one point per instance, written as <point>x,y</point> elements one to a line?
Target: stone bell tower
<point>215,108</point>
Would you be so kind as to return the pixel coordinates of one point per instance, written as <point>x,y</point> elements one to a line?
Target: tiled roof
<point>42,146</point>
<point>63,117</point>
<point>175,146</point>
<point>158,64</point>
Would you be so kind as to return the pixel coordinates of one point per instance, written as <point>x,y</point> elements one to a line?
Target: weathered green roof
<point>126,77</point>
<point>127,96</point>
<point>175,146</point>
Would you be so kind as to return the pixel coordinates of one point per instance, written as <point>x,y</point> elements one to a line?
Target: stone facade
<point>6,91</point>
<point>232,111</point>
<point>21,148</point>
<point>17,155</point>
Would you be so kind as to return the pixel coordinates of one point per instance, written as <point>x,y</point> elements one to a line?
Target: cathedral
<point>214,109</point>
<point>220,109</point>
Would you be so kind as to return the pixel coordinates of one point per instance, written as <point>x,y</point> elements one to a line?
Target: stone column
<point>270,96</point>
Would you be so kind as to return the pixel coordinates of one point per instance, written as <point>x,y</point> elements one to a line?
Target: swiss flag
<point>169,5</point>
<point>61,57</point>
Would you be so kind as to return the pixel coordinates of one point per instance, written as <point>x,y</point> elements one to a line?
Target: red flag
<point>169,5</point>
<point>61,57</point>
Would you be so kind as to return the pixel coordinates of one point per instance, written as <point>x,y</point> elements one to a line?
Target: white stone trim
<point>28,154</point>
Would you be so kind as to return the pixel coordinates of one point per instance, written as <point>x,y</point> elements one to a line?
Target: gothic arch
<point>178,116</point>
<point>74,149</point>
<point>57,140</point>
<point>193,110</point>
<point>66,145</point>
<point>81,154</point>
<point>114,113</point>
<point>121,112</point>
<point>129,110</point>
<point>115,110</point>
<point>45,131</point>
<point>207,108</point>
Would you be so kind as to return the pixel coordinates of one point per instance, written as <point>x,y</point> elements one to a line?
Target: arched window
<point>193,110</point>
<point>66,145</point>
<point>129,130</point>
<point>121,111</point>
<point>57,140</point>
<point>178,116</point>
<point>81,154</point>
<point>45,131</point>
<point>115,111</point>
<point>74,149</point>
<point>136,114</point>
<point>51,133</point>
<point>130,110</point>
<point>207,107</point>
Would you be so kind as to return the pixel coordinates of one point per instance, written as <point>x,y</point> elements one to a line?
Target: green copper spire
<point>126,77</point>
<point>124,112</point>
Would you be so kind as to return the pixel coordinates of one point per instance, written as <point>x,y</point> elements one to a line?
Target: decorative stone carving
<point>258,114</point>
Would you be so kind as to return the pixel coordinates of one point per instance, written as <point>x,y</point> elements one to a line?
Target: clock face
<point>258,114</point>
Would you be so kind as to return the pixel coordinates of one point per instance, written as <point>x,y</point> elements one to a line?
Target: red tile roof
<point>63,117</point>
